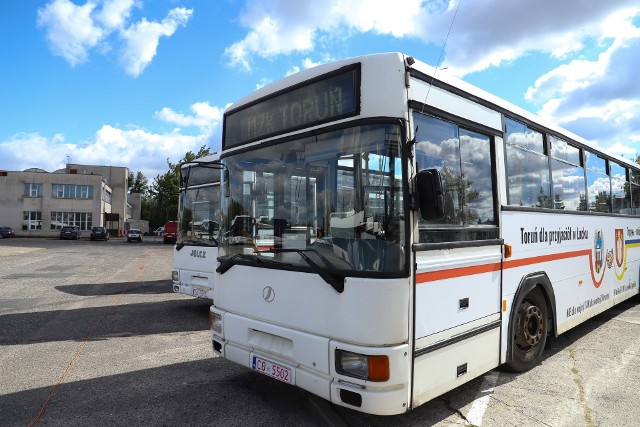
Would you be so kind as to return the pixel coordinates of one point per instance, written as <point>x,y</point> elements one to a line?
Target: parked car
<point>70,232</point>
<point>134,234</point>
<point>170,232</point>
<point>6,232</point>
<point>159,231</point>
<point>99,233</point>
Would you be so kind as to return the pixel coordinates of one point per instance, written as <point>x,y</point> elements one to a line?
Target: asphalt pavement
<point>91,333</point>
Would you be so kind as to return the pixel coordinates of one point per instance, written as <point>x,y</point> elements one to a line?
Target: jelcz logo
<point>198,254</point>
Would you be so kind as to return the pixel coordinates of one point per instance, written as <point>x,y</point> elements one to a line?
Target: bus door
<point>457,254</point>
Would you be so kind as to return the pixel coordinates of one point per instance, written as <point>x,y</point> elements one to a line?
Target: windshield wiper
<point>232,260</point>
<point>183,243</point>
<point>332,277</point>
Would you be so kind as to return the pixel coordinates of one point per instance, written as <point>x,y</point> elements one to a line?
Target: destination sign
<point>329,98</point>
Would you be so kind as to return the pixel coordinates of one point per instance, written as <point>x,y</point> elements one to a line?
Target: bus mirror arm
<point>226,183</point>
<point>430,195</point>
<point>411,144</point>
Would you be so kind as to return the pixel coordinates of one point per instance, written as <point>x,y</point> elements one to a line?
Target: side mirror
<point>430,194</point>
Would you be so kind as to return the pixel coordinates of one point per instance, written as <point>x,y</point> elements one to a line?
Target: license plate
<point>199,293</point>
<point>272,369</point>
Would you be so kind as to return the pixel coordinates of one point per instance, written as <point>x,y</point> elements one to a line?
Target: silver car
<point>134,234</point>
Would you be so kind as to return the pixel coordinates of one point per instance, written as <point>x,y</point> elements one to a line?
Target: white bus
<point>196,248</point>
<point>421,233</point>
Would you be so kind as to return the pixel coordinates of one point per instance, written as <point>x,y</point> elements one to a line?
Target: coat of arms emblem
<point>619,247</point>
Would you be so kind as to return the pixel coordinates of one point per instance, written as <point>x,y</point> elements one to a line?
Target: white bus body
<point>377,290</point>
<point>196,250</point>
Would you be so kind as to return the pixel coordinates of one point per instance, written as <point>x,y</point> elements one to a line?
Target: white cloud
<point>598,99</point>
<point>285,26</point>
<point>142,38</point>
<point>73,31</point>
<point>263,82</point>
<point>31,150</point>
<point>137,149</point>
<point>306,64</point>
<point>494,32</point>
<point>484,34</point>
<point>293,70</point>
<point>115,13</point>
<point>206,117</point>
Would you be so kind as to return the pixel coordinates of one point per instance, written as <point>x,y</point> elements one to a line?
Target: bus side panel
<point>444,369</point>
<point>457,318</point>
<point>455,287</point>
<point>591,262</point>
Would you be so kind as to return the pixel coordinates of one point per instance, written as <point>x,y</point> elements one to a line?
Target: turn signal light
<point>507,251</point>
<point>369,368</point>
<point>378,368</point>
<point>215,322</point>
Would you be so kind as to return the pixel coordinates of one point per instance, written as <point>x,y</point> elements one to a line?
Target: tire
<point>529,332</point>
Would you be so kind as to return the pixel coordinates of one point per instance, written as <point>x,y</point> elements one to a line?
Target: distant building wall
<point>39,203</point>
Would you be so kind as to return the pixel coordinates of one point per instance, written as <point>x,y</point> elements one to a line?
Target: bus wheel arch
<point>532,319</point>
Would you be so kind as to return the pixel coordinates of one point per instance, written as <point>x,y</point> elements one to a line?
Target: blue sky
<point>134,82</point>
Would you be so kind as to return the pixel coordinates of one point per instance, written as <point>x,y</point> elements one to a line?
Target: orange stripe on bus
<point>487,268</point>
<point>456,272</point>
<point>545,258</point>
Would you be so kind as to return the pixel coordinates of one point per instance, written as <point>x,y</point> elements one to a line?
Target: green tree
<point>139,184</point>
<point>165,190</point>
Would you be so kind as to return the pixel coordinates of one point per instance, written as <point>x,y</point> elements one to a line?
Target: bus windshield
<point>199,207</point>
<point>330,202</point>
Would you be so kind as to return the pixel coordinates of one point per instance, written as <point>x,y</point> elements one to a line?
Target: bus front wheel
<point>529,332</point>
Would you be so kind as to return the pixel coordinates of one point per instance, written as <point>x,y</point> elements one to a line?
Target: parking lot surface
<point>92,334</point>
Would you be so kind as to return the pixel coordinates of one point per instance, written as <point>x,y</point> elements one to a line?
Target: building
<point>39,203</point>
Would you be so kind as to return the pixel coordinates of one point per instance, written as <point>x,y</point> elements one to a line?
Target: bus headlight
<point>368,368</point>
<point>215,322</point>
<point>175,275</point>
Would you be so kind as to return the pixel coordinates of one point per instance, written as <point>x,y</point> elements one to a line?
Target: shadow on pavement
<point>95,289</point>
<point>116,320</point>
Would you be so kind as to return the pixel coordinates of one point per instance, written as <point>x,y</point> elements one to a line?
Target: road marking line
<point>480,403</point>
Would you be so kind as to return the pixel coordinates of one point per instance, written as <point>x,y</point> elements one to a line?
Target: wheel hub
<point>530,325</point>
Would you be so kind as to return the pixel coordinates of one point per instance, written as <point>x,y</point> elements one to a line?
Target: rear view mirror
<point>430,194</point>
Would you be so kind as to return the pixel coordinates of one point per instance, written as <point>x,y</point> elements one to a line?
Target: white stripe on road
<point>480,403</point>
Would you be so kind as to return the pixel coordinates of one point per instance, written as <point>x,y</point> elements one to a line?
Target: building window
<point>71,191</point>
<point>84,220</point>
<point>32,221</point>
<point>32,190</point>
<point>106,196</point>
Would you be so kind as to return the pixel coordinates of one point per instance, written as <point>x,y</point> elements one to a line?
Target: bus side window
<point>463,160</point>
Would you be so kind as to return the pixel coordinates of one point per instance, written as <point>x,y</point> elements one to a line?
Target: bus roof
<point>434,75</point>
